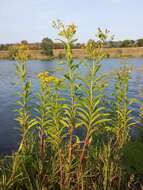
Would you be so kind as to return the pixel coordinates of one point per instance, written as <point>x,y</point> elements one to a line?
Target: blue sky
<point>31,19</point>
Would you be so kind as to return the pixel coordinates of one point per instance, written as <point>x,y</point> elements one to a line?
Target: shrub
<point>47,47</point>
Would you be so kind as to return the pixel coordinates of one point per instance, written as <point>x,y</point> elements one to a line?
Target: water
<point>9,130</point>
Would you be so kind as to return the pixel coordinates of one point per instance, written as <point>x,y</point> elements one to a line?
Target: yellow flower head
<point>66,31</point>
<point>21,53</point>
<point>91,49</point>
<point>43,75</point>
<point>46,79</point>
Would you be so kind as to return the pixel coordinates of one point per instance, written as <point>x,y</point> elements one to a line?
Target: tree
<point>24,42</point>
<point>140,42</point>
<point>128,43</point>
<point>47,46</point>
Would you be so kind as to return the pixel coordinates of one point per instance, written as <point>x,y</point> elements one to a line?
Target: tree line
<point>55,45</point>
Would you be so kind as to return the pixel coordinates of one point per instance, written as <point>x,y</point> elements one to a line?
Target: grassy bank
<point>80,53</point>
<point>110,52</point>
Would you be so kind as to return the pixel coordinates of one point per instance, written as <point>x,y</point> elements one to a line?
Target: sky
<point>31,19</point>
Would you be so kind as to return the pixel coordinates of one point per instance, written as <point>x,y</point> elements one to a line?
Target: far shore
<point>80,53</point>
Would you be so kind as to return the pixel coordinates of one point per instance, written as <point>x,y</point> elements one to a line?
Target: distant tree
<point>2,47</point>
<point>47,46</point>
<point>77,46</point>
<point>140,42</point>
<point>25,42</point>
<point>113,44</point>
<point>128,43</point>
<point>58,46</point>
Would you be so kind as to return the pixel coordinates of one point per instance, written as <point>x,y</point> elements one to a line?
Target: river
<point>9,129</point>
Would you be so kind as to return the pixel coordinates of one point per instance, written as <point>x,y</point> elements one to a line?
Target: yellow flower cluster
<point>68,31</point>
<point>91,49</point>
<point>21,53</point>
<point>71,29</point>
<point>45,78</point>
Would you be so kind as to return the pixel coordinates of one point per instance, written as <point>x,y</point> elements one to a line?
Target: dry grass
<point>80,53</point>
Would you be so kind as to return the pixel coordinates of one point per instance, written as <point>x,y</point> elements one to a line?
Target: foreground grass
<point>79,142</point>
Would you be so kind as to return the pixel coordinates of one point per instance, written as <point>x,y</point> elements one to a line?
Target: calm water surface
<point>9,130</point>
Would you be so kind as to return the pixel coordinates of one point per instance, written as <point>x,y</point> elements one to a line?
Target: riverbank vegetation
<point>48,48</point>
<point>81,141</point>
<point>79,53</point>
<point>58,45</point>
